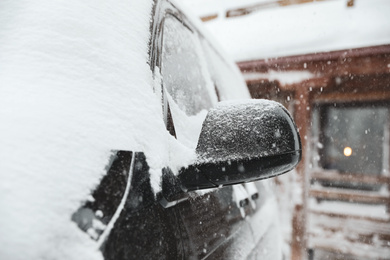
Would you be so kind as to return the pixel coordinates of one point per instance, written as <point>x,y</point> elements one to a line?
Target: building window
<point>352,139</point>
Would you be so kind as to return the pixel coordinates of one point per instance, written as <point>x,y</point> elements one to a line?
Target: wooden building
<point>341,104</point>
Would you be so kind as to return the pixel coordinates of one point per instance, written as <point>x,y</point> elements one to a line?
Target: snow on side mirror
<point>243,141</point>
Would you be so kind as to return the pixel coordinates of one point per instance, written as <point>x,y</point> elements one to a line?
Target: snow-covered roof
<point>301,29</point>
<point>209,7</point>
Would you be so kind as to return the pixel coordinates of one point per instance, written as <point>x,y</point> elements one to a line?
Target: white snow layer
<point>211,7</point>
<point>65,68</point>
<point>306,28</point>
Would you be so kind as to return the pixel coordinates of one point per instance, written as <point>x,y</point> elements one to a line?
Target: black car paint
<point>144,229</point>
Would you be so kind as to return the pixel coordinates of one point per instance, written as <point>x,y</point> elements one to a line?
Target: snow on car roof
<point>75,84</point>
<point>301,29</point>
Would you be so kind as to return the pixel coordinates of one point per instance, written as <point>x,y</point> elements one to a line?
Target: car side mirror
<point>243,141</point>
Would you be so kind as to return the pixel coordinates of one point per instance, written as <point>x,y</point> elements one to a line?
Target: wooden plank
<point>209,17</point>
<point>384,222</point>
<point>325,175</point>
<point>288,62</point>
<point>348,97</point>
<point>349,235</point>
<point>347,248</point>
<point>264,5</point>
<point>351,196</point>
<point>250,9</point>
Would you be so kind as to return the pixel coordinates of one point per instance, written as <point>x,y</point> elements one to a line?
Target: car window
<point>187,82</point>
<point>184,69</point>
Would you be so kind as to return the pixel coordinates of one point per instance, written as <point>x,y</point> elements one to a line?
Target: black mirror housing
<point>243,141</point>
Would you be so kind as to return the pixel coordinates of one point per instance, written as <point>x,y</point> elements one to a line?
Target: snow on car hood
<point>75,84</point>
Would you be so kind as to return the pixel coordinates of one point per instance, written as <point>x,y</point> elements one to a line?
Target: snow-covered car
<point>126,134</point>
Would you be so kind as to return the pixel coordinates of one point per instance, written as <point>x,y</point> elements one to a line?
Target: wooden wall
<point>356,75</point>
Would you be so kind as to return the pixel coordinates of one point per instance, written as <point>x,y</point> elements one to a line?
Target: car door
<point>212,222</point>
<point>123,216</point>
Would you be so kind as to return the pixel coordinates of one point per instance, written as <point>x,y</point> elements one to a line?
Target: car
<point>127,133</point>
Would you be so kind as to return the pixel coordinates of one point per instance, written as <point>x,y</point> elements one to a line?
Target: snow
<point>284,77</point>
<point>65,69</point>
<point>306,28</point>
<point>207,7</point>
<point>187,128</point>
